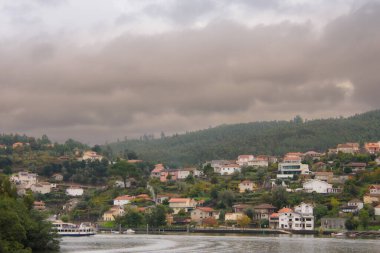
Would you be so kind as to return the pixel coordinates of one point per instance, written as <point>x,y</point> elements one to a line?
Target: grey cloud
<point>190,79</point>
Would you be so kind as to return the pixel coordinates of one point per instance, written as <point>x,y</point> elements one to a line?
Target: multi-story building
<point>290,166</point>
<point>300,219</point>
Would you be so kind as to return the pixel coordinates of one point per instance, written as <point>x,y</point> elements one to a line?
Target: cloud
<point>188,79</point>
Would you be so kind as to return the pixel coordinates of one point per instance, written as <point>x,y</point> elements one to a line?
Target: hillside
<point>272,138</point>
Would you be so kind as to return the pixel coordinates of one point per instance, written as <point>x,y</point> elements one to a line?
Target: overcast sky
<point>100,70</point>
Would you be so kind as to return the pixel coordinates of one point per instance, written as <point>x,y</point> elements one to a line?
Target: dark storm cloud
<point>190,79</point>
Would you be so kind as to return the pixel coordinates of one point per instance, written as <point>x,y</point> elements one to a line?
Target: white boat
<point>340,234</point>
<point>130,231</point>
<point>70,229</point>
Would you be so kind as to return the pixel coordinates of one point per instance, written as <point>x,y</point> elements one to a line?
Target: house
<point>247,185</point>
<point>185,172</point>
<point>374,189</point>
<point>24,179</point>
<point>186,204</point>
<point>318,186</point>
<point>372,147</point>
<point>156,172</point>
<point>122,200</point>
<point>200,213</point>
<point>371,199</point>
<point>377,210</point>
<point>356,202</point>
<point>274,220</point>
<point>312,154</point>
<point>91,155</point>
<point>74,191</point>
<point>114,212</point>
<point>17,145</point>
<point>168,174</point>
<point>229,169</point>
<point>290,166</point>
<point>333,223</point>
<point>263,211</point>
<point>240,208</point>
<point>300,219</point>
<point>353,206</point>
<point>349,148</point>
<point>356,167</point>
<point>259,161</point>
<point>324,176</point>
<point>217,164</point>
<point>39,205</point>
<point>42,188</point>
<point>57,177</point>
<point>244,159</point>
<point>233,216</point>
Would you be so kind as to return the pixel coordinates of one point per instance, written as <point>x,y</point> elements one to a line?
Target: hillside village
<point>335,190</point>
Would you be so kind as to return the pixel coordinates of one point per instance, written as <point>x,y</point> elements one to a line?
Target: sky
<point>96,70</point>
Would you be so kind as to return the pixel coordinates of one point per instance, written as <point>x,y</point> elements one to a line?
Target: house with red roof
<point>200,213</point>
<point>372,147</point>
<point>177,204</point>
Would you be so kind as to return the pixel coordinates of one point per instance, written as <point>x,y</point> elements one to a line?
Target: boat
<point>70,229</point>
<point>130,231</point>
<point>340,234</point>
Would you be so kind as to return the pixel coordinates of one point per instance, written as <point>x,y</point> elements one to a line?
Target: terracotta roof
<point>124,197</point>
<point>246,182</point>
<point>244,156</point>
<point>285,210</point>
<point>375,186</point>
<point>274,215</point>
<point>178,200</point>
<point>264,206</point>
<point>206,209</point>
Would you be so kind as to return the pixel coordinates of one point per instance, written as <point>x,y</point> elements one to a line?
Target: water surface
<point>219,244</point>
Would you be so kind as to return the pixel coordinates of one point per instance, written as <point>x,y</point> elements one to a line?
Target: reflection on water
<point>200,243</point>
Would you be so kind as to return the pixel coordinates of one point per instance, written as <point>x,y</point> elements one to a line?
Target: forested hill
<point>272,138</point>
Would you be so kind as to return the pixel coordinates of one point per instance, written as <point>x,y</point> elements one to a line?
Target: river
<point>185,243</point>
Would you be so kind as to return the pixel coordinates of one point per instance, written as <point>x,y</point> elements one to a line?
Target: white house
<point>318,186</point>
<point>246,185</point>
<point>217,164</point>
<point>229,169</point>
<point>356,202</point>
<point>122,200</point>
<point>184,173</point>
<point>74,191</point>
<point>348,147</point>
<point>300,219</point>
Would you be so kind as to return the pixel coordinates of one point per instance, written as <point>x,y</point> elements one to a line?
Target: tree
<point>243,221</point>
<point>364,218</point>
<point>124,170</point>
<point>132,218</point>
<point>320,211</point>
<point>156,217</point>
<point>351,223</point>
<point>279,197</point>
<point>209,222</point>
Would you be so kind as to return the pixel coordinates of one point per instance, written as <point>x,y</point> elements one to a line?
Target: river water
<point>186,243</point>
